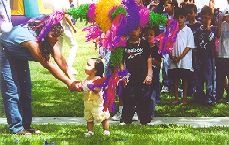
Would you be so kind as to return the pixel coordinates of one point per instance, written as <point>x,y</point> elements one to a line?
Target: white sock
<point>120,109</point>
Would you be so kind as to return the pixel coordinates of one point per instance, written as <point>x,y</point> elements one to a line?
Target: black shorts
<point>180,73</point>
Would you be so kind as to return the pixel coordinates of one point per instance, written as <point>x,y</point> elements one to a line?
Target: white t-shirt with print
<point>184,39</point>
<point>224,41</point>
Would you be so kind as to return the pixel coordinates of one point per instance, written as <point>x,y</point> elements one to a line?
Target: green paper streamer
<point>116,57</point>
<point>79,12</point>
<point>118,10</point>
<point>157,19</point>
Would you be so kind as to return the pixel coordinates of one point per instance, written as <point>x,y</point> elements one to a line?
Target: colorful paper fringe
<point>111,39</point>
<point>116,57</point>
<point>133,18</point>
<point>93,32</point>
<point>144,16</point>
<point>157,19</point>
<point>91,13</point>
<point>102,13</point>
<point>168,38</point>
<point>80,13</point>
<point>118,10</point>
<point>108,85</point>
<point>48,23</point>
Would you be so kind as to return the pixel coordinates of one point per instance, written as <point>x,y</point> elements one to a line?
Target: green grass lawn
<point>120,135</point>
<point>52,98</point>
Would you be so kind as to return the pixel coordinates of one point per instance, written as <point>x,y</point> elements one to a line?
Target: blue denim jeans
<point>206,73</point>
<point>167,82</point>
<point>156,91</point>
<point>16,91</point>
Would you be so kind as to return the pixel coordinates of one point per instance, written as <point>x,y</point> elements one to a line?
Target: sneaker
<point>180,91</point>
<point>106,133</point>
<point>135,117</point>
<point>89,133</point>
<point>122,123</point>
<point>116,117</point>
<point>23,132</point>
<point>165,89</point>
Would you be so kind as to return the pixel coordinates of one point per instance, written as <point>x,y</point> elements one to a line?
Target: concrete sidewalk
<point>192,121</point>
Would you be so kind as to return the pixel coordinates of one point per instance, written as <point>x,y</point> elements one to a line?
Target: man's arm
<point>34,49</point>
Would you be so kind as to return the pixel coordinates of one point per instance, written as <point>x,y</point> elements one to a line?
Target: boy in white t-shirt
<point>68,35</point>
<point>181,57</point>
<point>222,61</point>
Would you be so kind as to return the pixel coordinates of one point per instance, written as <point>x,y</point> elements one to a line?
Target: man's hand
<point>76,86</point>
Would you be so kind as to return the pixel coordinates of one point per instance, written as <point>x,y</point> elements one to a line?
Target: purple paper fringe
<point>144,16</point>
<point>93,32</point>
<point>51,20</point>
<point>133,18</point>
<point>91,13</point>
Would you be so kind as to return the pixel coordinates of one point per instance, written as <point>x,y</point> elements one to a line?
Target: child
<point>156,61</point>
<point>181,58</point>
<point>222,63</point>
<point>68,35</point>
<point>205,43</point>
<point>93,100</point>
<point>136,94</point>
<point>170,6</point>
<point>194,25</point>
<point>191,17</point>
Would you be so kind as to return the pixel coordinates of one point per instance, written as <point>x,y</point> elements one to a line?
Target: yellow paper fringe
<point>103,8</point>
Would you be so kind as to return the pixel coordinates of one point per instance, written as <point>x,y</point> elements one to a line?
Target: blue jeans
<point>16,91</point>
<point>156,91</point>
<point>167,82</point>
<point>206,73</point>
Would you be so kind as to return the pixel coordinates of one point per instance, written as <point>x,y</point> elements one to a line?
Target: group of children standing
<point>195,60</point>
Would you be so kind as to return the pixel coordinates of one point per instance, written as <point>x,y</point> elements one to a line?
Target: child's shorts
<point>93,111</point>
<point>180,73</point>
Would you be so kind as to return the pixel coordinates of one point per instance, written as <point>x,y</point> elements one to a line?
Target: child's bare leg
<point>90,126</point>
<point>185,91</point>
<point>176,84</point>
<point>105,124</point>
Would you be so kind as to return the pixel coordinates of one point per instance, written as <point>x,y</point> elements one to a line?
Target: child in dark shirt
<point>194,25</point>
<point>156,61</point>
<point>136,94</point>
<point>205,43</point>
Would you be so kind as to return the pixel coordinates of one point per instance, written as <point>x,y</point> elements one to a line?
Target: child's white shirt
<point>224,41</point>
<point>184,39</point>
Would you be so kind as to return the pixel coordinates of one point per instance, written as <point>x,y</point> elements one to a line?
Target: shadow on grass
<point>167,109</point>
<point>54,99</point>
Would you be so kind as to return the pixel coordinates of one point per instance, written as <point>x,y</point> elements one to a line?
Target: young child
<point>152,32</point>
<point>169,8</point>
<point>136,94</point>
<point>205,43</point>
<point>181,58</point>
<point>194,25</point>
<point>191,18</point>
<point>93,100</point>
<point>222,63</point>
